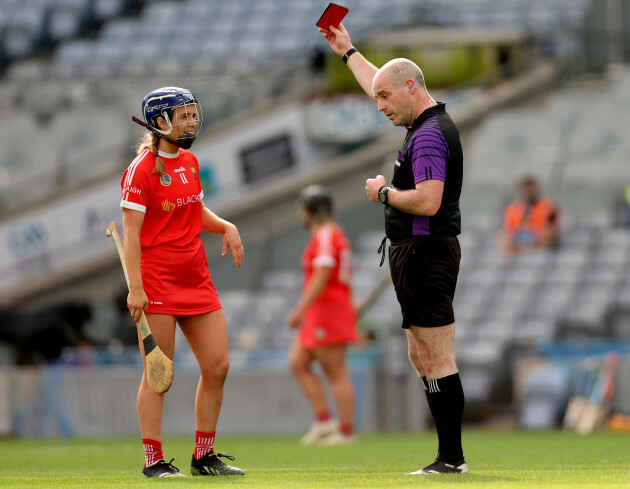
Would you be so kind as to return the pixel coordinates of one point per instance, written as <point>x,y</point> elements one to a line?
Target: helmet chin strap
<point>182,142</point>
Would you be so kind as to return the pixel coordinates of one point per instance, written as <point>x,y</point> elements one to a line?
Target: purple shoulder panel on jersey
<point>428,152</point>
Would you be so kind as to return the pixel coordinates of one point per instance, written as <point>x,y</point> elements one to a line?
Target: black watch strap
<point>348,54</point>
<point>382,194</point>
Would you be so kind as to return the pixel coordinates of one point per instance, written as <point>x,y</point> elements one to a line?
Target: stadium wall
<point>100,401</point>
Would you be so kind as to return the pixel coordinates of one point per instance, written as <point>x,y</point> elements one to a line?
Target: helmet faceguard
<point>179,108</point>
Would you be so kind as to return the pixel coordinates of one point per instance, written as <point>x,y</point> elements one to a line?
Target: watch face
<point>382,196</point>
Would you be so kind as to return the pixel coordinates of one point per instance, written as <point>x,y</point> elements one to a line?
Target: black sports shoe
<point>161,468</point>
<point>439,467</point>
<point>210,464</point>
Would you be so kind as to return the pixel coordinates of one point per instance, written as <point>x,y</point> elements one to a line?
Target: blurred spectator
<point>40,336</point>
<point>124,330</point>
<point>531,222</point>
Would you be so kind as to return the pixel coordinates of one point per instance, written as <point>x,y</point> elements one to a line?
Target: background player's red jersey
<point>330,247</point>
<point>331,318</point>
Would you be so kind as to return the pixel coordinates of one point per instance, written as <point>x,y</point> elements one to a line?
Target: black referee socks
<point>446,402</point>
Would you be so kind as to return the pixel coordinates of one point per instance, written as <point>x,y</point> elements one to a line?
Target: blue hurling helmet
<point>162,103</point>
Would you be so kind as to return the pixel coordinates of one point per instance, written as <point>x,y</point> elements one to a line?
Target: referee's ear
<point>411,86</point>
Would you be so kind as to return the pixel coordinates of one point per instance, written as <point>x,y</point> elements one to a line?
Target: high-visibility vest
<point>520,216</point>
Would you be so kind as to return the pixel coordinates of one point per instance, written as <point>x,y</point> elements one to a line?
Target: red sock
<point>152,451</point>
<point>346,429</point>
<point>322,415</point>
<point>204,443</point>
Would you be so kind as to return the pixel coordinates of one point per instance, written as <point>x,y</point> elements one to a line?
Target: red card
<point>332,16</point>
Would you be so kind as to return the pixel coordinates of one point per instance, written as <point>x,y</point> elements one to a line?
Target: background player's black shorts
<point>424,271</point>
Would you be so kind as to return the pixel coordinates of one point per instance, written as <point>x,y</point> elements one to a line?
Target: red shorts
<point>177,280</point>
<point>328,323</point>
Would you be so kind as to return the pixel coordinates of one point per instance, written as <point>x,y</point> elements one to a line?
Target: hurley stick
<point>587,372</point>
<point>599,402</point>
<point>374,295</point>
<point>158,366</point>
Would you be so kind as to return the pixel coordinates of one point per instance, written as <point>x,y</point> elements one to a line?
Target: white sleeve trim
<point>133,206</point>
<point>324,261</point>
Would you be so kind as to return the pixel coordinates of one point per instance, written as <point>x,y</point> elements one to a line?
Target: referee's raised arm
<point>361,68</point>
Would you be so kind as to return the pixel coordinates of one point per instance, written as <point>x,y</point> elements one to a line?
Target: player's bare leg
<point>149,404</point>
<point>207,336</point>
<point>445,395</point>
<point>300,361</point>
<point>333,362</point>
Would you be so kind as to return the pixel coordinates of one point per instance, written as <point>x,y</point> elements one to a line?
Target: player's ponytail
<point>150,141</point>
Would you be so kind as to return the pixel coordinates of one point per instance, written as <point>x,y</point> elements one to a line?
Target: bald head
<point>400,92</point>
<point>399,70</point>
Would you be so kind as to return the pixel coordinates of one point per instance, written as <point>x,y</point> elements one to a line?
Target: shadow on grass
<point>470,478</point>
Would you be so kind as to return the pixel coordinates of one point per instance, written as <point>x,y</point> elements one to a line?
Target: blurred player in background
<point>163,215</point>
<point>422,221</point>
<point>531,222</point>
<point>327,319</point>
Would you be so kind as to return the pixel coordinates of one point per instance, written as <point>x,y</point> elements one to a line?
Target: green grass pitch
<point>497,459</point>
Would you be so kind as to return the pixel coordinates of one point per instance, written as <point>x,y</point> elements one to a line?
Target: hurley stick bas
<point>158,366</point>
<point>587,372</point>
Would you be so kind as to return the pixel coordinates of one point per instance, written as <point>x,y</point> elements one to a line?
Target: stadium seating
<point>29,26</point>
<point>99,46</point>
<point>536,15</point>
<point>264,30</point>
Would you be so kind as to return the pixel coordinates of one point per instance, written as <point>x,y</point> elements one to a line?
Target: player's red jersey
<point>175,272</point>
<point>171,203</point>
<point>331,319</point>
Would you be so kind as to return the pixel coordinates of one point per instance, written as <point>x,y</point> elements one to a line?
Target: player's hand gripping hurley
<point>158,366</point>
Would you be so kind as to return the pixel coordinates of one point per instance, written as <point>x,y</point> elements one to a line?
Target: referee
<point>422,221</point>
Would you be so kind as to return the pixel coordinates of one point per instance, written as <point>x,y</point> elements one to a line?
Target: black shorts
<point>424,271</point>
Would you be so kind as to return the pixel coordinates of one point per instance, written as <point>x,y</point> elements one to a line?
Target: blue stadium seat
<point>113,53</point>
<point>160,13</point>
<point>103,10</point>
<point>23,31</point>
<point>186,47</point>
<point>122,29</point>
<point>72,57</point>
<point>146,49</point>
<point>67,18</point>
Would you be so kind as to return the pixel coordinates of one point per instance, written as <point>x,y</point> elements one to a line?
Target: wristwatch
<point>348,54</point>
<point>382,194</point>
